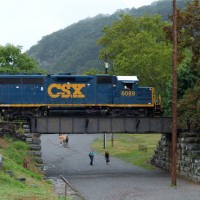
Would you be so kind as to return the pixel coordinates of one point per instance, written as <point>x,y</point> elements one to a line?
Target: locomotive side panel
<point>21,90</point>
<point>104,90</point>
<point>67,91</point>
<point>145,96</point>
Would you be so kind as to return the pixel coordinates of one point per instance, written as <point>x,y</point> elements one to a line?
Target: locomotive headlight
<point>150,88</point>
<point>88,84</point>
<point>114,85</point>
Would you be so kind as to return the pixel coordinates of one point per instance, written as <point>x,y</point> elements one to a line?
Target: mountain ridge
<point>74,49</point>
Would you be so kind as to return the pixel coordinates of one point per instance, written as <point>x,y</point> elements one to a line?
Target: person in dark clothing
<point>65,140</point>
<point>91,155</point>
<point>107,157</point>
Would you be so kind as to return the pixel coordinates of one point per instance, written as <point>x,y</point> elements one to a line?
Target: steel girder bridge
<point>91,125</point>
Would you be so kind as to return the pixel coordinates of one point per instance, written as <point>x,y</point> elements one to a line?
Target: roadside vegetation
<point>18,182</point>
<point>136,149</point>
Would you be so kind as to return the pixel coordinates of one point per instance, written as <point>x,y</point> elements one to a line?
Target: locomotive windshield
<point>128,86</point>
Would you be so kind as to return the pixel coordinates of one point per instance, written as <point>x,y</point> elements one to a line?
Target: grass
<point>34,187</point>
<point>126,147</point>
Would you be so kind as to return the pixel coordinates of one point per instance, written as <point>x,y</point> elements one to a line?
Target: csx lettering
<point>66,90</point>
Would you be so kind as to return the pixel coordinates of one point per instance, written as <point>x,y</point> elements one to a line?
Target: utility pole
<point>104,139</point>
<point>106,71</point>
<point>174,102</point>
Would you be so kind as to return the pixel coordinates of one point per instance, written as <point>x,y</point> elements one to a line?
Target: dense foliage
<point>138,46</point>
<point>74,48</point>
<point>189,38</point>
<point>189,68</point>
<point>12,60</point>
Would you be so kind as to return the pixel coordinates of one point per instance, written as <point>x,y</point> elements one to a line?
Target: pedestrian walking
<point>60,138</point>
<point>65,140</point>
<point>91,156</point>
<point>107,157</point>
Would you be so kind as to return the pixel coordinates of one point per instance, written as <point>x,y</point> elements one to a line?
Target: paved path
<point>116,181</point>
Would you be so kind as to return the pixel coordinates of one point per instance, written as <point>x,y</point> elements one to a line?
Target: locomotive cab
<point>132,100</point>
<point>126,89</point>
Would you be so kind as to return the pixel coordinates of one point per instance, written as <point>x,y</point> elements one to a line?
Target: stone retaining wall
<point>188,155</point>
<point>21,131</point>
<point>33,139</point>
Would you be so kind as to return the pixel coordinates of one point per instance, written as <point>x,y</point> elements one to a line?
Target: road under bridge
<point>91,125</point>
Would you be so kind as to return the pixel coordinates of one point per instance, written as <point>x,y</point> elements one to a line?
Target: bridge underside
<point>100,125</point>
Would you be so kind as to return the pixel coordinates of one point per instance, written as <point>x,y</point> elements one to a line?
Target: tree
<point>189,38</point>
<point>186,79</point>
<point>138,46</point>
<point>188,29</point>
<point>93,71</point>
<point>189,108</point>
<point>12,60</point>
<point>189,41</point>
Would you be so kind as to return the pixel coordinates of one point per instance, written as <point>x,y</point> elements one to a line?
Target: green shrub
<point>20,145</point>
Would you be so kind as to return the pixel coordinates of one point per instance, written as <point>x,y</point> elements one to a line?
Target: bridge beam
<point>92,125</point>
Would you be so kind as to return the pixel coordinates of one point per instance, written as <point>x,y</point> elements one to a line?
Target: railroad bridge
<point>90,125</point>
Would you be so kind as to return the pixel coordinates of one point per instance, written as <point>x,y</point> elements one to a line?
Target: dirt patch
<point>3,143</point>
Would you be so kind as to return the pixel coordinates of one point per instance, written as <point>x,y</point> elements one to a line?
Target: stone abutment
<point>188,155</point>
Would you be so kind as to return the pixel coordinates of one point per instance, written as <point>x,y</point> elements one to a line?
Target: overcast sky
<point>25,22</point>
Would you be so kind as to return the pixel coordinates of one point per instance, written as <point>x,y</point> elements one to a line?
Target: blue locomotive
<point>25,95</point>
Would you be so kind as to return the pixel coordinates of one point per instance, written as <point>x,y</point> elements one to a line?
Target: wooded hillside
<point>74,48</point>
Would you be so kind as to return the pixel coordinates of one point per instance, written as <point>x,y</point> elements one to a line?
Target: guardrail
<point>66,183</point>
